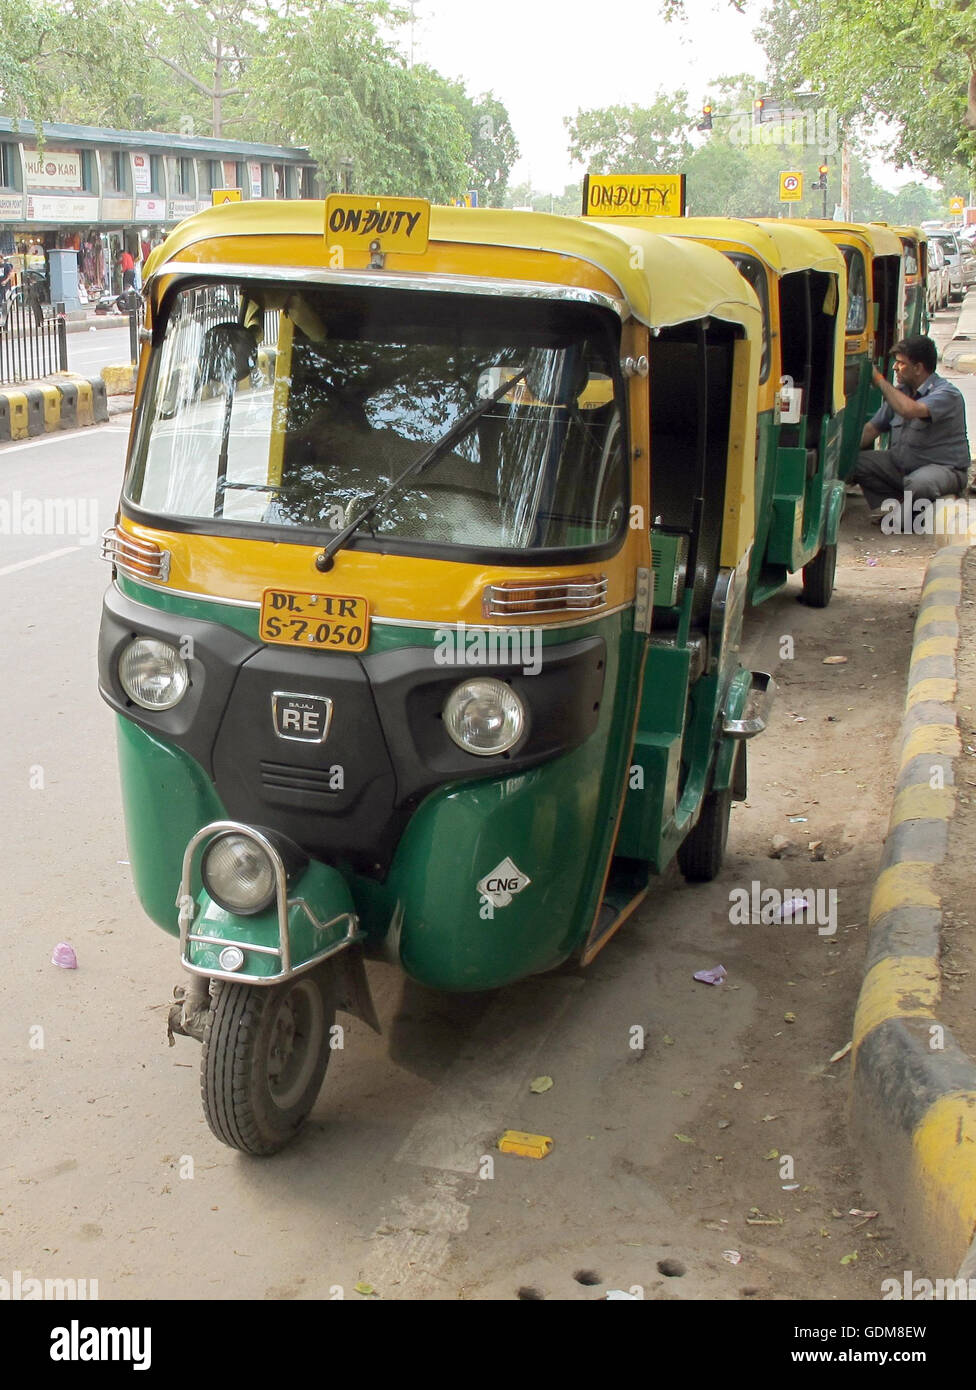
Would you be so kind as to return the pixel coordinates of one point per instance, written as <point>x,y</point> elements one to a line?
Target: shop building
<point>96,192</point>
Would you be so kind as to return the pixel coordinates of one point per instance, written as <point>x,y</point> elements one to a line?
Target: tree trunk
<point>971,101</point>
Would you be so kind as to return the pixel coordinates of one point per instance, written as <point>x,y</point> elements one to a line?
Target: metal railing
<point>33,339</point>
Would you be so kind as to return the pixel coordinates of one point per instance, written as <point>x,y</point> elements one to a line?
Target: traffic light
<point>706,121</point>
<point>823,176</point>
<point>758,107</point>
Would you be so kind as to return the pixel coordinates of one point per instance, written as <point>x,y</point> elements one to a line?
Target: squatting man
<point>928,452</point>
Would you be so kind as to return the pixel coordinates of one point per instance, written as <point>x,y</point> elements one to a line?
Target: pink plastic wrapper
<point>715,976</point>
<point>64,955</point>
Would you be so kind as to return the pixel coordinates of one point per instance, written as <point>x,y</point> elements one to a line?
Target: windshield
<point>294,408</point>
<point>857,290</point>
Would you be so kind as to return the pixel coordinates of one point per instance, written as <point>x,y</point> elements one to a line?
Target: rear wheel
<point>818,577</point>
<point>265,1051</point>
<point>701,853</point>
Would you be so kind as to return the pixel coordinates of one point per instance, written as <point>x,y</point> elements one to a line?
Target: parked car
<point>939,286</point>
<point>962,262</point>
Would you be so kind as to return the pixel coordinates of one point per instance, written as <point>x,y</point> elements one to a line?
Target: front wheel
<point>818,577</point>
<point>265,1051</point>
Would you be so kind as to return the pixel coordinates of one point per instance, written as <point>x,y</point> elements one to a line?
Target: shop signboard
<point>116,209</point>
<point>52,169</point>
<point>11,207</point>
<point>178,208</point>
<point>254,174</point>
<point>55,208</point>
<point>141,173</point>
<point>150,209</point>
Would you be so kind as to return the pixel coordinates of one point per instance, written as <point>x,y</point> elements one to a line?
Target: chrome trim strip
<point>585,615</point>
<point>436,282</point>
<point>206,598</point>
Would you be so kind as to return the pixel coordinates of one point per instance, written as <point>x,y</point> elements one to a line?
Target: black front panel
<point>334,797</point>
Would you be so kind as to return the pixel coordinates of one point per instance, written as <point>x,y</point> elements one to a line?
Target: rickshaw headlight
<point>153,674</point>
<point>238,874</point>
<point>484,717</point>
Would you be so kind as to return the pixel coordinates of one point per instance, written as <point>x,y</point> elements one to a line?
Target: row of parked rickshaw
<point>434,544</point>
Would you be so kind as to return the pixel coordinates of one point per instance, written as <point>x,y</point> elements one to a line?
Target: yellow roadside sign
<point>226,195</point>
<point>790,186</point>
<point>357,223</point>
<point>634,195</point>
<point>957,206</point>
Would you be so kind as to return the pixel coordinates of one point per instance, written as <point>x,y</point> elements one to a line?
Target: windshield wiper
<point>324,561</point>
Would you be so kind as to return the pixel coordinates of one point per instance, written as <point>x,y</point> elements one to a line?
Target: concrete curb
<point>913,1103</point>
<point>64,402</point>
<point>959,354</point>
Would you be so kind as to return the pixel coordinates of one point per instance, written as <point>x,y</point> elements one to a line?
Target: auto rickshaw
<point>875,298</point>
<point>423,631</point>
<point>799,279</point>
<point>915,274</point>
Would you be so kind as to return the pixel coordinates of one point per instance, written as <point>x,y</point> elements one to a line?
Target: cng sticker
<point>382,224</point>
<point>219,196</point>
<point>790,186</point>
<point>502,883</point>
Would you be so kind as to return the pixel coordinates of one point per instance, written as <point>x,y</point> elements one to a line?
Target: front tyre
<point>265,1051</point>
<point>818,577</point>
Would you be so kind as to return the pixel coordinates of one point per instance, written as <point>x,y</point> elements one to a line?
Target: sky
<point>546,59</point>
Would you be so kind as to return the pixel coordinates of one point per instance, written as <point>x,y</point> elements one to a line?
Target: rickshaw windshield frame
<point>578,446</point>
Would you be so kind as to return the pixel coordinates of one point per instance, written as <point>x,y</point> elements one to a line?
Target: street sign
<point>957,206</point>
<point>634,195</point>
<point>790,186</point>
<point>226,195</point>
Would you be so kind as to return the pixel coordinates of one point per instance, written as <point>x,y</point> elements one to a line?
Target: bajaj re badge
<point>502,883</point>
<point>303,718</point>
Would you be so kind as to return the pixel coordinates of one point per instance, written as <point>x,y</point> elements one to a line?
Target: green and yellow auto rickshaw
<point>799,278</point>
<point>873,255</point>
<point>423,631</point>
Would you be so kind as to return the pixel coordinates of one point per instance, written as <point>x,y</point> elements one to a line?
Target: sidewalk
<point>960,353</point>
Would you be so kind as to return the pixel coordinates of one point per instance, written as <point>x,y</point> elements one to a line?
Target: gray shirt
<point>941,438</point>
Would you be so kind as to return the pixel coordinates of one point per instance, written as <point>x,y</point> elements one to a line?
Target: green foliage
<point>911,61</point>
<point>633,139</point>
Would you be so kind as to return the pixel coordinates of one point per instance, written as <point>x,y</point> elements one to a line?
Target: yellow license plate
<point>338,622</point>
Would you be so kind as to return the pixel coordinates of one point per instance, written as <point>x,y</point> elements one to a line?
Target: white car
<point>962,262</point>
<point>938,286</point>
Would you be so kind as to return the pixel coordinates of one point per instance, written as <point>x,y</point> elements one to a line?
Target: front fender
<point>835,510</point>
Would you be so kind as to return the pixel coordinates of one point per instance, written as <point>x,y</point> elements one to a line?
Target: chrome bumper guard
<point>755,712</point>
<point>188,910</point>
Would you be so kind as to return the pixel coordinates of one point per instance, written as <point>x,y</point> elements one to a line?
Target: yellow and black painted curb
<point>913,1108</point>
<point>63,402</point>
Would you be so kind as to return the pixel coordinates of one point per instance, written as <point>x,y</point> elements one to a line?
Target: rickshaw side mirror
<point>226,348</point>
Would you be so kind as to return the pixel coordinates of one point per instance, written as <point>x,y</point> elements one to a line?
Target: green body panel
<point>858,409</point>
<point>791,508</point>
<point>323,888</point>
<point>166,798</point>
<point>555,822</point>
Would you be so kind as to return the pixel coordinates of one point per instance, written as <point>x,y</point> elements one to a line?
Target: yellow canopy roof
<point>668,282</point>
<point>784,246</point>
<point>880,238</point>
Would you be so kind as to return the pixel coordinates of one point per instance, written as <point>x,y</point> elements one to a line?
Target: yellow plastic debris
<point>516,1141</point>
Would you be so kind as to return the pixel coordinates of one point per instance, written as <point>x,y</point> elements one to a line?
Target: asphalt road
<point>91,350</point>
<point>661,1153</point>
